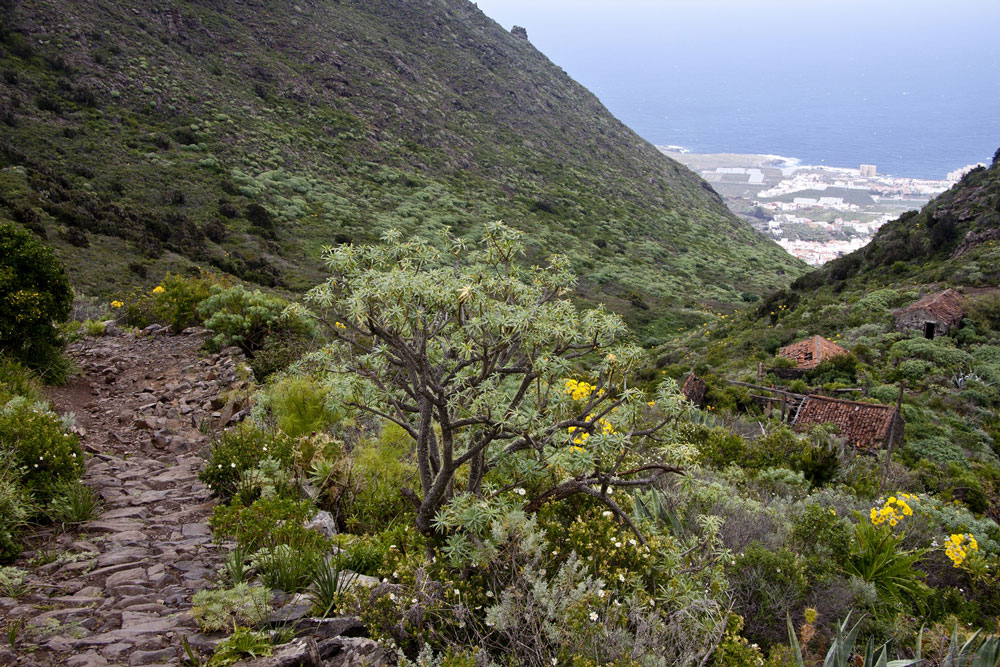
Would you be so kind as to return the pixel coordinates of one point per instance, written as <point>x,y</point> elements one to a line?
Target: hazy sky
<point>946,54</point>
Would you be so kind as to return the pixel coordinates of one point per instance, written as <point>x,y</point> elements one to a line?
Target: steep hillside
<point>142,137</point>
<point>950,383</point>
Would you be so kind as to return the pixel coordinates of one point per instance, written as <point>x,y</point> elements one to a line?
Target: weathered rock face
<point>119,589</point>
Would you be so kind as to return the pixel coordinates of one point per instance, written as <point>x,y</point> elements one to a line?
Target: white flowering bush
<point>43,453</point>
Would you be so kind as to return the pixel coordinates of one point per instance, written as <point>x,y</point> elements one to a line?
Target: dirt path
<point>117,590</point>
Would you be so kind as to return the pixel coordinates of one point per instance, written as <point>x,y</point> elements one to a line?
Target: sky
<point>846,62</point>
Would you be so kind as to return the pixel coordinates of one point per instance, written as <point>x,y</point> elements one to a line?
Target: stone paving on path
<point>117,590</point>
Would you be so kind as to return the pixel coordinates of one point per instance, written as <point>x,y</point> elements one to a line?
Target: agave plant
<point>972,653</point>
<point>842,649</point>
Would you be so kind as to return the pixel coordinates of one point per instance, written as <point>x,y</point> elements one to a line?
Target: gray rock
<point>134,576</point>
<point>88,659</point>
<point>356,652</point>
<point>296,653</point>
<point>152,657</point>
<point>324,523</point>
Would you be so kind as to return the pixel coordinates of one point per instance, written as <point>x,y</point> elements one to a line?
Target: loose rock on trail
<point>117,590</point>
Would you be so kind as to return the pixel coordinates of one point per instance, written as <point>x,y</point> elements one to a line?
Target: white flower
<point>554,661</point>
<point>232,465</point>
<point>519,491</point>
<point>621,577</point>
<point>593,615</point>
<point>606,513</point>
<point>457,592</point>
<point>395,575</point>
<point>600,593</point>
<point>489,594</point>
<point>617,545</point>
<point>392,596</point>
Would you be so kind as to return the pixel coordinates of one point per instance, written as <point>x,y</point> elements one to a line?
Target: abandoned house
<point>934,315</point>
<point>694,390</point>
<point>864,425</point>
<point>811,352</point>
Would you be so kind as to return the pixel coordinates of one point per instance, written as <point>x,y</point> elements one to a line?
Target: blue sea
<point>912,86</point>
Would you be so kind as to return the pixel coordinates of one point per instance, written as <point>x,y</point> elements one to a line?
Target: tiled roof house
<point>935,314</point>
<point>865,425</point>
<point>809,353</point>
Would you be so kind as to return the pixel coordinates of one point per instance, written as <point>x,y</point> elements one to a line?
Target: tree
<point>471,353</point>
<point>34,294</point>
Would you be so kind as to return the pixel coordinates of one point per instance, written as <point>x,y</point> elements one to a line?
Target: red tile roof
<point>809,353</point>
<point>864,425</point>
<point>947,306</point>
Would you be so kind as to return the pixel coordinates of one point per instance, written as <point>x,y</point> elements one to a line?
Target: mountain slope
<point>246,134</point>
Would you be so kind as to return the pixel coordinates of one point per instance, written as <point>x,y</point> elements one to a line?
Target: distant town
<point>816,213</point>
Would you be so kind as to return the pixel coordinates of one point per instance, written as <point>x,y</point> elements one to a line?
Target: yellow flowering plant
<point>893,511</point>
<point>958,547</point>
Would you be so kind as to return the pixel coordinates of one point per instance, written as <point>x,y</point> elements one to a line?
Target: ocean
<point>911,86</point>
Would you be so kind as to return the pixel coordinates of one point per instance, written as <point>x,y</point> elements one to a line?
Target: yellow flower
<point>158,289</point>
<point>117,304</point>
<point>340,325</point>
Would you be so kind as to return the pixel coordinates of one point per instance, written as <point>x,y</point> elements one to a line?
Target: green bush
<point>176,298</point>
<point>379,470</point>
<point>877,558</point>
<point>242,449</point>
<point>18,380</point>
<point>278,352</point>
<point>34,294</point>
<point>15,508</point>
<point>298,404</point>
<point>45,454</point>
<point>765,585</point>
<point>247,318</point>
<point>268,523</point>
<point>937,448</point>
<point>222,608</point>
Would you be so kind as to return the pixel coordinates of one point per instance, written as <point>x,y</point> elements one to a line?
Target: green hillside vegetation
<point>246,136</point>
<point>950,454</point>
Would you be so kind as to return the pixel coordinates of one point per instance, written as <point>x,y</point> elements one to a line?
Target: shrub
<point>18,380</point>
<point>242,643</point>
<point>45,454</point>
<point>278,352</point>
<point>936,448</point>
<point>34,294</point>
<point>298,404</point>
<point>268,523</point>
<point>876,557</point>
<point>379,470</point>
<point>177,302</point>
<point>222,608</point>
<point>15,509</point>
<point>765,585</point>
<point>74,503</point>
<point>242,449</point>
<point>247,318</point>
